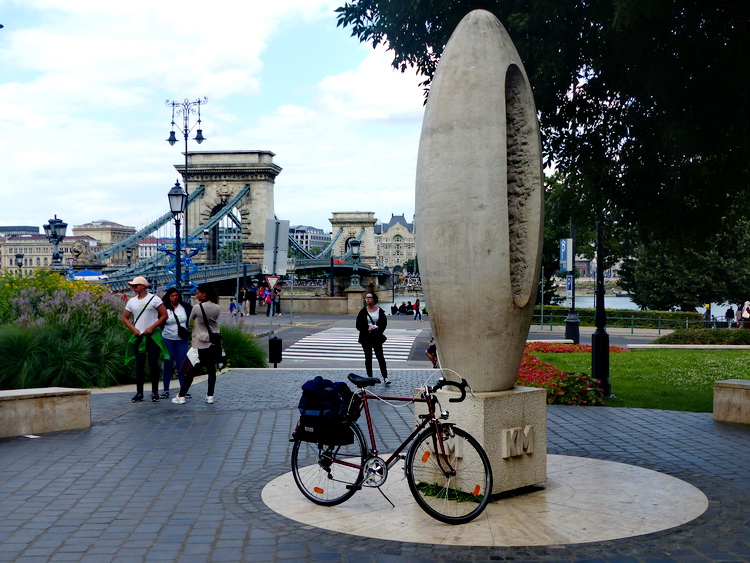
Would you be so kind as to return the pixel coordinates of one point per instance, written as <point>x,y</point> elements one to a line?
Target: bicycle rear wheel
<point>452,484</point>
<point>323,472</point>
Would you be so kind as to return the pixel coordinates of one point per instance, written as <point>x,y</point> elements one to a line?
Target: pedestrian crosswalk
<point>341,344</point>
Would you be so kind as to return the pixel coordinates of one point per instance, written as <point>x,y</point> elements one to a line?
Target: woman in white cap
<point>145,344</point>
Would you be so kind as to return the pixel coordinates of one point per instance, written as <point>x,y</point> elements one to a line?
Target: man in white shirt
<point>149,313</point>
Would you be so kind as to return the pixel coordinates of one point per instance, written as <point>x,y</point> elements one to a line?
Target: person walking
<point>371,323</point>
<point>252,297</point>
<point>730,317</point>
<point>176,337</point>
<point>268,299</point>
<point>241,299</point>
<point>417,311</point>
<point>145,345</point>
<point>203,317</point>
<point>431,353</point>
<point>233,309</point>
<point>277,301</point>
<point>746,315</point>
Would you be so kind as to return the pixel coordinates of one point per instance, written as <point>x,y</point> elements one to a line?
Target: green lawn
<point>680,380</point>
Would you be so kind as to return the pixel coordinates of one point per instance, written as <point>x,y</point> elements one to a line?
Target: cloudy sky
<point>83,122</point>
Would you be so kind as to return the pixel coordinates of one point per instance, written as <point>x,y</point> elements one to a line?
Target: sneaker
<point>137,399</point>
<point>210,399</point>
<point>188,396</point>
<point>178,400</point>
<point>386,380</point>
<point>154,397</point>
<point>165,395</point>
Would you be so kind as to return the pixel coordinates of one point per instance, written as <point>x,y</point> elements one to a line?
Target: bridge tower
<point>224,174</point>
<point>355,224</point>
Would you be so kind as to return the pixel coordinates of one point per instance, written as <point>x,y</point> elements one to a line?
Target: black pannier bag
<point>323,409</point>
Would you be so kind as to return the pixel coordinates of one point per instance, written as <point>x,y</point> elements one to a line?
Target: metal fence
<point>632,322</point>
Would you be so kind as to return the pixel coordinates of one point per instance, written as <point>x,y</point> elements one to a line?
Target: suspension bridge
<point>228,210</point>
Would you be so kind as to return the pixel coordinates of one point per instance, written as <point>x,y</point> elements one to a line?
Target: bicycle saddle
<point>361,381</point>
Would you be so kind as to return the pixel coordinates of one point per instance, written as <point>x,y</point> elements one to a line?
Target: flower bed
<point>562,388</point>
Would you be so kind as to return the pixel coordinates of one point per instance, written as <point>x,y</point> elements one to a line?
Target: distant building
<point>107,233</point>
<point>36,250</point>
<point>395,242</point>
<point>310,237</point>
<point>149,247</point>
<point>18,231</point>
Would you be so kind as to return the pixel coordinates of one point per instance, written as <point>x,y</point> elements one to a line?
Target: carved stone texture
<point>479,204</point>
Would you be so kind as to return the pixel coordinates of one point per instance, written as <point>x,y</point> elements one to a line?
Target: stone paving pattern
<point>164,482</point>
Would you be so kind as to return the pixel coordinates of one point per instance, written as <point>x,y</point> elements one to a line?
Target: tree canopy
<point>644,105</point>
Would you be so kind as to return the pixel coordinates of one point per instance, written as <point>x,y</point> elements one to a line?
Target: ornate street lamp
<point>129,255</point>
<point>355,246</point>
<point>55,232</point>
<point>185,108</point>
<point>177,205</point>
<point>19,262</point>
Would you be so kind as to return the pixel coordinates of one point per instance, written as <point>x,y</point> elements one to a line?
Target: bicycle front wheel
<point>449,474</point>
<point>323,472</point>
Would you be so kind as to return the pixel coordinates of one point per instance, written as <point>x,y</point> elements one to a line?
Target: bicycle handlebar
<point>442,382</point>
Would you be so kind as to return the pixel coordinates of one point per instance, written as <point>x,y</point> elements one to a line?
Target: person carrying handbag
<point>205,320</point>
<point>176,337</point>
<point>371,323</point>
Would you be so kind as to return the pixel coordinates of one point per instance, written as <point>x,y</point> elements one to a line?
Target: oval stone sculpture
<point>479,205</point>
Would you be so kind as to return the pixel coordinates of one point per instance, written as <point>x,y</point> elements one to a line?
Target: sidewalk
<point>164,482</point>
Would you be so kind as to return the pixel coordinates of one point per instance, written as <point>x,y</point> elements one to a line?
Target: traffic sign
<point>272,281</point>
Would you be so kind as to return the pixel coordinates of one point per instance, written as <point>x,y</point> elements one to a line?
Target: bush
<point>57,332</point>
<point>706,336</point>
<point>625,318</point>
<point>50,357</point>
<point>242,349</point>
<point>562,388</point>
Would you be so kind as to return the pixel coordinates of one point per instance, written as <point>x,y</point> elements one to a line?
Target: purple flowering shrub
<point>57,332</point>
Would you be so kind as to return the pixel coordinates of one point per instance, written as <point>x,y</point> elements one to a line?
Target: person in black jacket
<point>371,323</point>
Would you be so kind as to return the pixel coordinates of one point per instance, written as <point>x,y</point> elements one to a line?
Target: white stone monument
<point>479,206</point>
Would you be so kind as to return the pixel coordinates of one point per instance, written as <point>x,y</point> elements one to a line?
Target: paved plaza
<point>164,482</point>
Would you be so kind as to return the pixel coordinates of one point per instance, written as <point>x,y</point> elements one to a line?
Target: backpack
<point>323,409</point>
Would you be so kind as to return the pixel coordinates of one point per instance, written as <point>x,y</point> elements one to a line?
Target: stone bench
<point>732,400</point>
<point>48,409</point>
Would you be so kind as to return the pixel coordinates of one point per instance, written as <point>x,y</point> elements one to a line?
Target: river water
<point>582,302</point>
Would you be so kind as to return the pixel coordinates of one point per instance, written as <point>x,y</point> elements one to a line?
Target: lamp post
<point>177,205</point>
<point>355,246</point>
<point>184,109</point>
<point>291,265</point>
<point>129,255</point>
<point>600,338</point>
<point>19,263</point>
<point>55,231</point>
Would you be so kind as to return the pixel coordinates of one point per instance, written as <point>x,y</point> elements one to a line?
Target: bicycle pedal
<point>354,487</point>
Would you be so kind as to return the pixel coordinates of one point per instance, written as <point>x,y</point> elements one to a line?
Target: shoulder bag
<point>182,331</point>
<point>213,337</point>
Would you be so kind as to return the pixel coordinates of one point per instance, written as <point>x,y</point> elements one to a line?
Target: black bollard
<point>274,351</point>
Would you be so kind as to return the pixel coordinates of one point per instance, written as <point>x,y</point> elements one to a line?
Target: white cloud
<point>81,107</point>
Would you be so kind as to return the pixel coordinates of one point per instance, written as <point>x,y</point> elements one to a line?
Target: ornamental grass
<point>55,332</point>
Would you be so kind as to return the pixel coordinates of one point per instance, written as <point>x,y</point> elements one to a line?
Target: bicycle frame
<point>427,419</point>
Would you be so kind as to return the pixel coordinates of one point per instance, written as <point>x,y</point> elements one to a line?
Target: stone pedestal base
<point>512,428</point>
<point>732,400</point>
<point>355,299</point>
<point>47,409</point>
